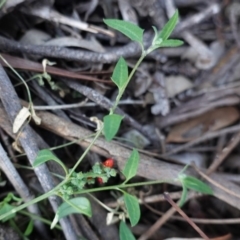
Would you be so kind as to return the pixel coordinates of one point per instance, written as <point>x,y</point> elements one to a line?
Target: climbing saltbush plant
<point>75,183</point>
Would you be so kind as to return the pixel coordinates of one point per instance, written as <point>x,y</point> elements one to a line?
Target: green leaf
<point>74,205</point>
<point>120,73</point>
<point>2,2</point>
<point>171,43</point>
<point>47,155</point>
<point>6,208</point>
<point>129,29</point>
<point>131,167</point>
<point>111,125</point>
<point>183,196</point>
<point>195,184</point>
<point>29,229</point>
<point>133,208</point>
<point>155,33</point>
<point>125,233</point>
<point>168,27</point>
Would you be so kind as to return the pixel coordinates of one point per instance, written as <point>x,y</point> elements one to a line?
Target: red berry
<point>100,181</point>
<point>108,163</point>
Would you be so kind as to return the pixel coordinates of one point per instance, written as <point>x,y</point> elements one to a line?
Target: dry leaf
<point>98,122</point>
<point>21,117</point>
<point>35,37</point>
<point>89,44</point>
<point>36,119</point>
<point>136,139</point>
<point>17,148</point>
<point>177,84</point>
<point>160,95</point>
<point>127,11</point>
<point>187,158</point>
<point>196,127</point>
<point>205,60</point>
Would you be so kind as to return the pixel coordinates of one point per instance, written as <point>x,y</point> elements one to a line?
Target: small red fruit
<point>108,163</point>
<point>100,181</point>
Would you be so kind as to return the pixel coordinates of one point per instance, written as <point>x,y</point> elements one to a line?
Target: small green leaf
<point>120,73</point>
<point>171,43</point>
<point>74,205</point>
<point>155,34</point>
<point>2,2</point>
<point>195,184</point>
<point>6,208</point>
<point>125,233</point>
<point>168,27</point>
<point>47,155</point>
<point>131,167</point>
<point>111,125</point>
<point>133,208</point>
<point>183,196</point>
<point>29,229</point>
<point>129,29</point>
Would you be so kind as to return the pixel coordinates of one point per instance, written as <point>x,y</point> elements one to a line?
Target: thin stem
<point>85,152</point>
<point>63,145</point>
<point>16,228</point>
<point>23,81</point>
<point>124,183</point>
<point>29,79</point>
<point>101,203</point>
<point>117,187</point>
<point>35,200</point>
<point>36,217</point>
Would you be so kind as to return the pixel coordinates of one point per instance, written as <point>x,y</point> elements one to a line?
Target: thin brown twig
<point>207,136</point>
<point>199,17</point>
<point>197,220</point>
<point>130,50</point>
<point>184,215</point>
<point>215,183</point>
<point>157,224</point>
<point>224,153</point>
<point>176,117</point>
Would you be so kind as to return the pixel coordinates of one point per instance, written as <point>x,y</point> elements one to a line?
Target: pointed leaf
<point>6,208</point>
<point>124,232</point>
<point>20,119</point>
<point>55,221</point>
<point>29,229</point>
<point>155,33</point>
<point>111,125</point>
<point>183,196</point>
<point>47,155</point>
<point>129,29</point>
<point>120,73</point>
<point>44,156</point>
<point>131,167</point>
<point>171,43</point>
<point>196,185</point>
<point>133,208</point>
<point>169,27</point>
<point>74,205</point>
